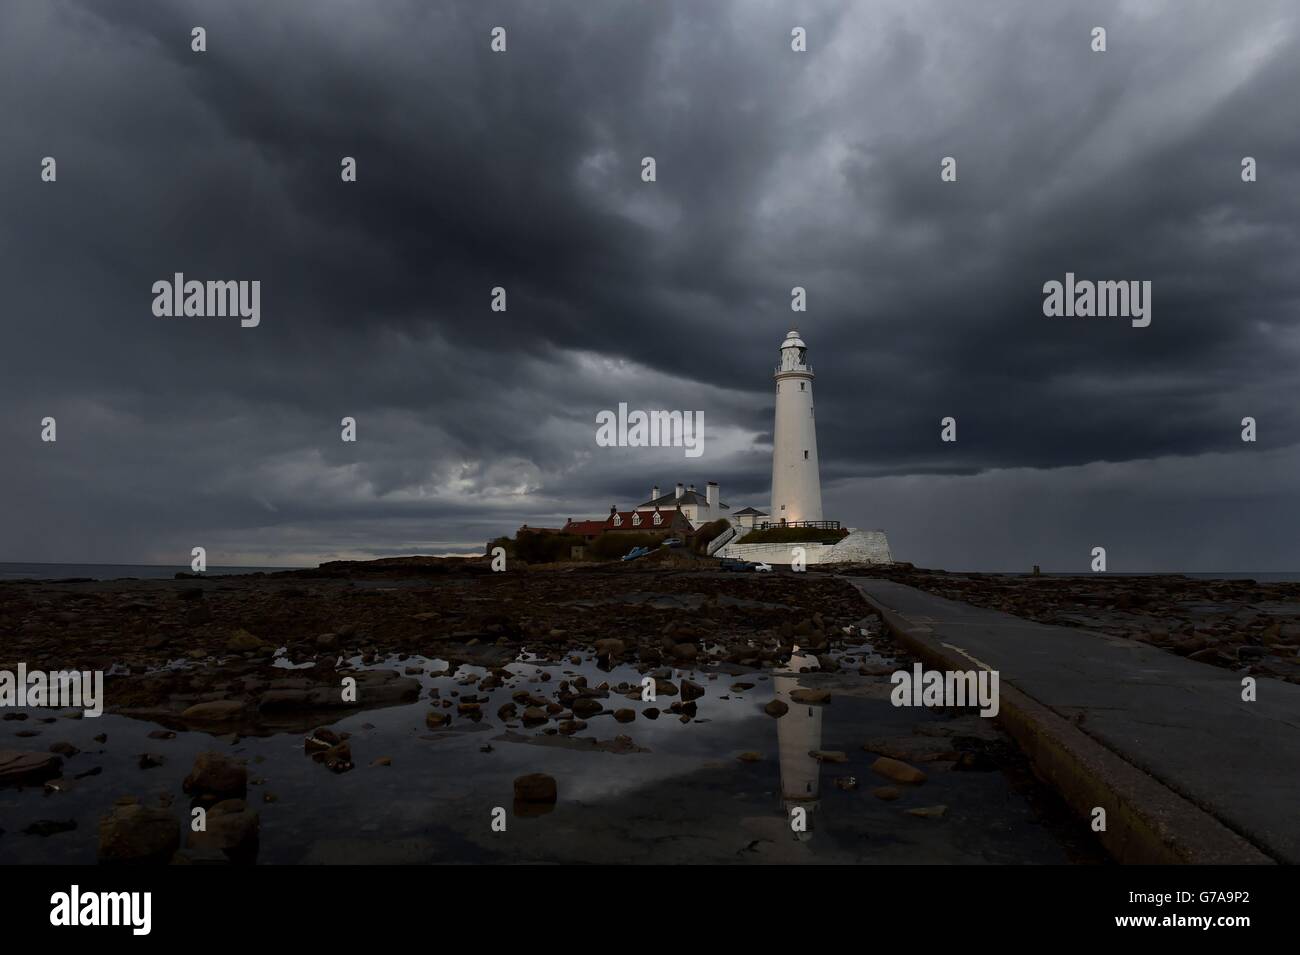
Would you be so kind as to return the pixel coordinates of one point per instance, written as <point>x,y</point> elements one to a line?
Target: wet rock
<point>130,833</point>
<point>64,749</point>
<point>887,793</point>
<point>610,648</point>
<point>216,776</point>
<point>151,760</point>
<point>436,719</point>
<point>625,715</point>
<point>828,756</point>
<point>650,713</point>
<point>337,759</point>
<point>691,691</point>
<point>686,652</point>
<point>569,727</point>
<point>741,687</point>
<point>382,761</point>
<point>776,708</point>
<point>508,711</point>
<point>535,715</point>
<point>846,783</point>
<point>232,829</point>
<point>241,641</point>
<point>928,812</point>
<point>749,756</point>
<point>49,827</point>
<point>665,688</point>
<point>536,788</point>
<point>21,768</point>
<point>586,706</point>
<point>214,711</point>
<point>897,771</point>
<point>810,697</point>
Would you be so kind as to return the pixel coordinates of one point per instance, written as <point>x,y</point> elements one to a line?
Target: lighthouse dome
<point>793,340</point>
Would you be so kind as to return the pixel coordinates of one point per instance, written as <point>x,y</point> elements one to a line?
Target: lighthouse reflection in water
<point>799,734</point>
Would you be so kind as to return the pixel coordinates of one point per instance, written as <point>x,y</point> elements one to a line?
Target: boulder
<point>232,828</point>
<point>241,640</point>
<point>133,834</point>
<point>897,771</point>
<point>216,776</point>
<point>776,708</point>
<point>691,691</point>
<point>536,788</point>
<point>21,768</point>
<point>214,711</point>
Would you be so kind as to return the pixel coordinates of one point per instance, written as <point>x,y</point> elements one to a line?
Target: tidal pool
<point>681,794</point>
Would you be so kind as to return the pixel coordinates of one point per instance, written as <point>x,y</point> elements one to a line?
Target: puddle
<point>681,794</point>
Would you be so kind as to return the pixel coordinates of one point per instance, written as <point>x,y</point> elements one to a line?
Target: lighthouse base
<point>859,547</point>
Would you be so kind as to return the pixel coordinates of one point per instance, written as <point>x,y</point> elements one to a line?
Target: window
<point>805,455</point>
<point>617,520</point>
<point>801,386</point>
<point>659,518</point>
<point>636,518</point>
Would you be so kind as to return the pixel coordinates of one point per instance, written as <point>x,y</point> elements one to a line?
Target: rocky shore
<point>423,686</point>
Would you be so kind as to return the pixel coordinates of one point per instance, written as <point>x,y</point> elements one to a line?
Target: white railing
<point>721,541</point>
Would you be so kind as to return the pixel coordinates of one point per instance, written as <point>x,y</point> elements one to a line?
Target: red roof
<point>585,528</point>
<point>670,519</point>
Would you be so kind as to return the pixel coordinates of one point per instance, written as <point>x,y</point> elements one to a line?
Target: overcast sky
<point>775,169</point>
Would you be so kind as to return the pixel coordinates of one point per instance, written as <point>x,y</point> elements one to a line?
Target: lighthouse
<point>796,482</point>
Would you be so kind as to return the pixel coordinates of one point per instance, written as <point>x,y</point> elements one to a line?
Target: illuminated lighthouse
<point>796,482</point>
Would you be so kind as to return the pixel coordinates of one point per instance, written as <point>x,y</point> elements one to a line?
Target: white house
<point>698,508</point>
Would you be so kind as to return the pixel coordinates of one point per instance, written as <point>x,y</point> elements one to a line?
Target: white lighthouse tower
<point>796,482</point>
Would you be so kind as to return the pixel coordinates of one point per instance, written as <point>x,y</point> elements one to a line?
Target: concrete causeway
<point>1187,771</point>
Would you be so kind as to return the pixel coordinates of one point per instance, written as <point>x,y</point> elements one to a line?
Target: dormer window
<point>636,520</point>
<point>659,518</point>
<point>617,520</point>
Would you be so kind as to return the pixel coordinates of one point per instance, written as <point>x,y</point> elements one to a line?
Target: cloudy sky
<point>522,170</point>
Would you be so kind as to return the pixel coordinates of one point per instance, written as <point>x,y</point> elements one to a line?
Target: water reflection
<point>799,734</point>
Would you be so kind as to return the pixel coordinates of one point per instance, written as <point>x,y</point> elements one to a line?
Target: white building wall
<point>860,547</point>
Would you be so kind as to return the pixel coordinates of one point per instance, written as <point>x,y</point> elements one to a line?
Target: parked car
<point>673,542</point>
<point>763,568</point>
<point>635,552</point>
<point>739,566</point>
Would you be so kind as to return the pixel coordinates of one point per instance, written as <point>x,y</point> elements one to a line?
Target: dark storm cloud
<point>522,170</point>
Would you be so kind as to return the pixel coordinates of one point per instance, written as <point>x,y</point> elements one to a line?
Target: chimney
<point>613,509</point>
<point>654,493</point>
<point>692,488</point>
<point>680,489</point>
<point>711,495</point>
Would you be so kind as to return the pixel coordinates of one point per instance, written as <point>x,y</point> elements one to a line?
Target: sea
<point>20,571</point>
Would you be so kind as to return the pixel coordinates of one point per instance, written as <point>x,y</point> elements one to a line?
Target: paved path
<point>1181,722</point>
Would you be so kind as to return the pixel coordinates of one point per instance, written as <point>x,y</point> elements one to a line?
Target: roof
<point>750,510</point>
<point>595,528</point>
<point>585,527</point>
<point>647,520</point>
<point>669,501</point>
